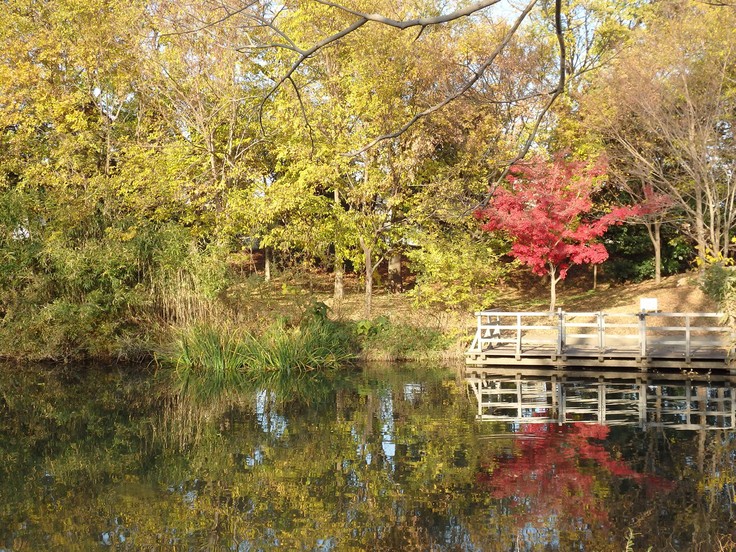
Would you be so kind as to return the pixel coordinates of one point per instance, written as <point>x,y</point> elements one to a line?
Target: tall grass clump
<point>316,344</point>
<point>208,360</point>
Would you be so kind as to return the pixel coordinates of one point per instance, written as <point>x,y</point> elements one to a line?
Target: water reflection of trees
<point>384,461</point>
<point>668,442</point>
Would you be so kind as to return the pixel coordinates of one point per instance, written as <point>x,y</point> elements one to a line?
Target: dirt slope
<point>674,294</point>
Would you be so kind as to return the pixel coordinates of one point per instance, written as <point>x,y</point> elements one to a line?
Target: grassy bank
<point>208,358</point>
<point>256,325</point>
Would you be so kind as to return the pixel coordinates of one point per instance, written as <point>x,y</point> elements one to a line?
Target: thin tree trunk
<point>368,259</point>
<point>700,227</point>
<point>654,229</point>
<point>339,293</point>
<point>394,272</point>
<point>339,280</point>
<point>108,146</point>
<point>595,277</point>
<point>267,265</point>
<point>552,288</point>
<point>657,252</point>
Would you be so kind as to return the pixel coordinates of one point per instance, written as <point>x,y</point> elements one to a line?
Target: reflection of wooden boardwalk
<point>642,340</point>
<point>567,396</point>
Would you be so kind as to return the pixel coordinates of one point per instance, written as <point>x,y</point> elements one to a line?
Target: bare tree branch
<point>555,94</point>
<point>364,18</point>
<point>524,150</point>
<point>422,22</point>
<point>467,86</point>
<point>419,22</point>
<point>304,114</point>
<point>209,24</point>
<point>289,45</point>
<point>306,54</point>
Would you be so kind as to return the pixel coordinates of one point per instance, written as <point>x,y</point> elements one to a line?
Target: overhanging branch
<point>422,23</point>
<point>467,86</point>
<point>418,22</point>
<point>556,93</point>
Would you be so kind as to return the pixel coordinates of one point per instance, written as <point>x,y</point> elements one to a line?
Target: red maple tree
<point>545,211</point>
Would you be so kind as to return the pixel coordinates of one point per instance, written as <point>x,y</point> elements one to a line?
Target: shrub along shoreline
<point>157,298</point>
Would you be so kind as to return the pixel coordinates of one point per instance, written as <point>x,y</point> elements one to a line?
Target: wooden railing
<point>680,404</point>
<point>643,333</point>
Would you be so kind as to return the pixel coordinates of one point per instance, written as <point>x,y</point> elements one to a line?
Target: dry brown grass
<point>678,293</point>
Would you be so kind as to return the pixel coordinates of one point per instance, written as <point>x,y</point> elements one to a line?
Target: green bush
<point>718,281</point>
<point>456,271</point>
<point>67,298</point>
<point>381,338</point>
<point>98,288</point>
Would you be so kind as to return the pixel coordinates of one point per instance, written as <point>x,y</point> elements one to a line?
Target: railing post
<point>478,341</point>
<point>643,334</point>
<point>518,336</point>
<point>601,333</point>
<point>687,338</point>
<point>496,332</point>
<point>560,332</point>
<point>563,330</point>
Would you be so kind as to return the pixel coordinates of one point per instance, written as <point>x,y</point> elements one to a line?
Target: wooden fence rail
<point>642,335</point>
<point>682,404</point>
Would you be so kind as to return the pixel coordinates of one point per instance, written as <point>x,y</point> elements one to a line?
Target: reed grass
<point>314,345</point>
<point>208,359</point>
<point>211,359</point>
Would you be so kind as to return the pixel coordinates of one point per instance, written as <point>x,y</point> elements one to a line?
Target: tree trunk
<point>654,229</point>
<point>368,283</point>
<point>700,227</point>
<point>657,252</point>
<point>339,280</point>
<point>267,265</point>
<point>339,293</point>
<point>394,272</point>
<point>368,259</point>
<point>552,288</point>
<point>108,146</point>
<point>595,277</point>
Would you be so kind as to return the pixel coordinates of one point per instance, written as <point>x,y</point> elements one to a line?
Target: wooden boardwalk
<point>643,341</point>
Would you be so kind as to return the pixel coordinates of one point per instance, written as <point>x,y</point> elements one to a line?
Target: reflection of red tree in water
<point>561,471</point>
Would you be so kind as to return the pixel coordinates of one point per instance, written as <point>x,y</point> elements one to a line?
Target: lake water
<point>397,458</point>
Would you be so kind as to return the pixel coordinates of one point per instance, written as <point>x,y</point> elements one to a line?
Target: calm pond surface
<point>385,459</point>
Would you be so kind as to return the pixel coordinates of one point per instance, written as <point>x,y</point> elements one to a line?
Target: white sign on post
<point>648,304</point>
